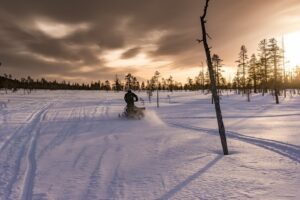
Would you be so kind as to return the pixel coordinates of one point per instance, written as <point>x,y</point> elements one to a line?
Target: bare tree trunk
<point>213,82</point>
<point>157,98</point>
<point>276,84</point>
<point>283,66</point>
<point>248,95</point>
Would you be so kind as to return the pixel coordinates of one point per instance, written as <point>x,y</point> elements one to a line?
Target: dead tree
<point>213,81</point>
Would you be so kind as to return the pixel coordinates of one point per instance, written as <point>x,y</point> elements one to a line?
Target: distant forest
<point>262,72</point>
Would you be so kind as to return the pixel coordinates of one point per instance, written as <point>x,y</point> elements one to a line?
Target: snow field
<point>72,145</point>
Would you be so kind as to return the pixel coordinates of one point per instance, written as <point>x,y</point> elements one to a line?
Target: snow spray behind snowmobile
<point>133,112</point>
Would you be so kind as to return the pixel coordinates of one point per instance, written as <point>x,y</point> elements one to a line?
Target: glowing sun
<point>292,49</point>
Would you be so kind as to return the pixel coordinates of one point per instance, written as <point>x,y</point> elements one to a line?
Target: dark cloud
<point>118,24</point>
<point>29,65</point>
<point>174,44</point>
<point>131,53</point>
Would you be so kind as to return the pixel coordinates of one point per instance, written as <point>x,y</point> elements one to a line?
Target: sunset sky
<point>96,39</point>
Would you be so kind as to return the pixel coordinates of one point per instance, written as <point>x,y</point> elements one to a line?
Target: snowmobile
<point>133,113</point>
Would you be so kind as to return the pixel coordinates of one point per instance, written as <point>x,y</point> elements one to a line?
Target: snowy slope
<point>71,145</point>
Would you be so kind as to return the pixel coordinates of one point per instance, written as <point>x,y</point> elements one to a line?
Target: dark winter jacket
<point>130,98</point>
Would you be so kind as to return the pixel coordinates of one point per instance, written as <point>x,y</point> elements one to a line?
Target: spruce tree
<point>264,62</point>
<point>117,84</point>
<point>242,66</point>
<point>275,57</point>
<point>254,72</point>
<point>217,67</point>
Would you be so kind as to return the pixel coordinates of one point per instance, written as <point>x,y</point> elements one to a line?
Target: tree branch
<point>208,36</point>
<point>205,11</point>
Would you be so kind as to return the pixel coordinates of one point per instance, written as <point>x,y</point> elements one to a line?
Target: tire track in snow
<point>60,137</point>
<point>24,125</point>
<point>70,128</point>
<point>116,187</point>
<point>235,117</point>
<point>181,185</point>
<point>22,128</point>
<point>78,157</point>
<point>7,141</point>
<point>15,148</point>
<point>287,150</point>
<point>28,183</point>
<point>105,108</point>
<point>94,177</point>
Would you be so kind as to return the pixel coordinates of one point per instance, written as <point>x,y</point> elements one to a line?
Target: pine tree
<point>254,68</point>
<point>217,67</point>
<point>117,84</point>
<point>242,66</point>
<point>190,84</point>
<point>275,57</point>
<point>237,81</point>
<point>135,84</point>
<point>107,85</point>
<point>264,62</point>
<point>170,83</point>
<point>143,87</point>
<point>207,80</point>
<point>201,77</point>
<point>155,84</point>
<point>129,81</point>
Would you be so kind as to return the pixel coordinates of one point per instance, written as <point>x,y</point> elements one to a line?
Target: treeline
<point>8,83</point>
<point>265,71</point>
<point>261,72</point>
<point>156,82</point>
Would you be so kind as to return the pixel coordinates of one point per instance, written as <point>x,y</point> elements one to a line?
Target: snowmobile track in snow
<point>288,150</point>
<point>236,116</point>
<point>94,179</point>
<point>17,145</point>
<point>27,189</point>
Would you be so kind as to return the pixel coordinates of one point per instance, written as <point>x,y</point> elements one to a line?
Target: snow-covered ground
<point>71,145</point>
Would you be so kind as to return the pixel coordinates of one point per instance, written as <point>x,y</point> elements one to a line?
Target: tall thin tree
<point>264,61</point>
<point>254,72</point>
<point>283,67</point>
<point>217,66</point>
<point>213,80</point>
<point>242,66</point>
<point>275,58</point>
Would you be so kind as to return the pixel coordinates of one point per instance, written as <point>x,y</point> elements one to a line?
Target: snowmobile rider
<point>130,98</point>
